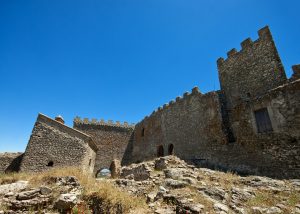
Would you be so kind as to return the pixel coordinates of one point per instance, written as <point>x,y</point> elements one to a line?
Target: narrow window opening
<point>171,149</point>
<point>50,164</point>
<point>263,122</point>
<point>90,162</point>
<point>143,132</point>
<point>160,151</point>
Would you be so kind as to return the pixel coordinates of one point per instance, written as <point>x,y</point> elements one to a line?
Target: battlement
<point>252,71</point>
<point>86,121</point>
<point>263,34</point>
<point>186,95</point>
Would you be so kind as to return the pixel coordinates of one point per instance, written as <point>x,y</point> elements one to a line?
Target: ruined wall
<point>53,144</point>
<point>190,125</point>
<point>112,140</point>
<point>252,71</point>
<point>10,162</point>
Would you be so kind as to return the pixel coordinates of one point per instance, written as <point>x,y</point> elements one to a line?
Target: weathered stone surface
<point>165,210</point>
<point>44,190</point>
<point>215,193</point>
<point>115,168</point>
<point>175,183</point>
<point>190,208</point>
<point>66,201</point>
<point>222,208</point>
<point>160,164</point>
<point>13,187</point>
<point>28,194</point>
<point>139,171</point>
<point>273,210</point>
<point>174,173</point>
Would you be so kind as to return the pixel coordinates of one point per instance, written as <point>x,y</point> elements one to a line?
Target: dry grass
<point>225,180</point>
<point>45,177</point>
<point>199,198</point>
<point>265,198</point>
<point>3,207</point>
<point>106,193</point>
<point>7,178</point>
<point>111,199</point>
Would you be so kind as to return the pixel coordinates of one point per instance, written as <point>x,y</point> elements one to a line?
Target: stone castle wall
<point>112,139</point>
<point>189,125</point>
<point>54,144</point>
<point>194,125</point>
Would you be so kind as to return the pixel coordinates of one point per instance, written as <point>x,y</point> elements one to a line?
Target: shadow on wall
<point>171,149</point>
<point>14,166</point>
<point>127,157</point>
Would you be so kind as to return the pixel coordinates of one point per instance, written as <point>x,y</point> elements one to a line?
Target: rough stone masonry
<point>251,125</point>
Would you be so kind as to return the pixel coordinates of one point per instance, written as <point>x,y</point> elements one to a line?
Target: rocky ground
<point>172,186</point>
<point>167,185</point>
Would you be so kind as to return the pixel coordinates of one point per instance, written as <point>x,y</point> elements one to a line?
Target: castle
<point>251,125</point>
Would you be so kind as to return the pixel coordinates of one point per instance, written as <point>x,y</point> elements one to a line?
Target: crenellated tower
<point>252,71</point>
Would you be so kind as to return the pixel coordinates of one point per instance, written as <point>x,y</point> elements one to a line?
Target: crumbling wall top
<point>86,121</point>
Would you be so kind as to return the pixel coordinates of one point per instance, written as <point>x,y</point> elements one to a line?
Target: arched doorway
<point>160,151</point>
<point>171,149</point>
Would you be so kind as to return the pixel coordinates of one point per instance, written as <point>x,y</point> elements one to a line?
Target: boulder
<point>257,210</point>
<point>160,163</point>
<point>13,187</point>
<point>66,201</point>
<point>175,184</point>
<point>189,208</point>
<point>28,194</point>
<point>139,171</point>
<point>221,208</point>
<point>273,210</point>
<point>44,190</point>
<point>215,193</point>
<point>173,173</point>
<point>151,197</point>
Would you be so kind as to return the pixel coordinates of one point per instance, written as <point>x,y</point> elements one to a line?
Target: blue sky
<point>121,59</point>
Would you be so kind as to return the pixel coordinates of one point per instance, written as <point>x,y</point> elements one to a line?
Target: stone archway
<point>103,173</point>
<point>160,151</point>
